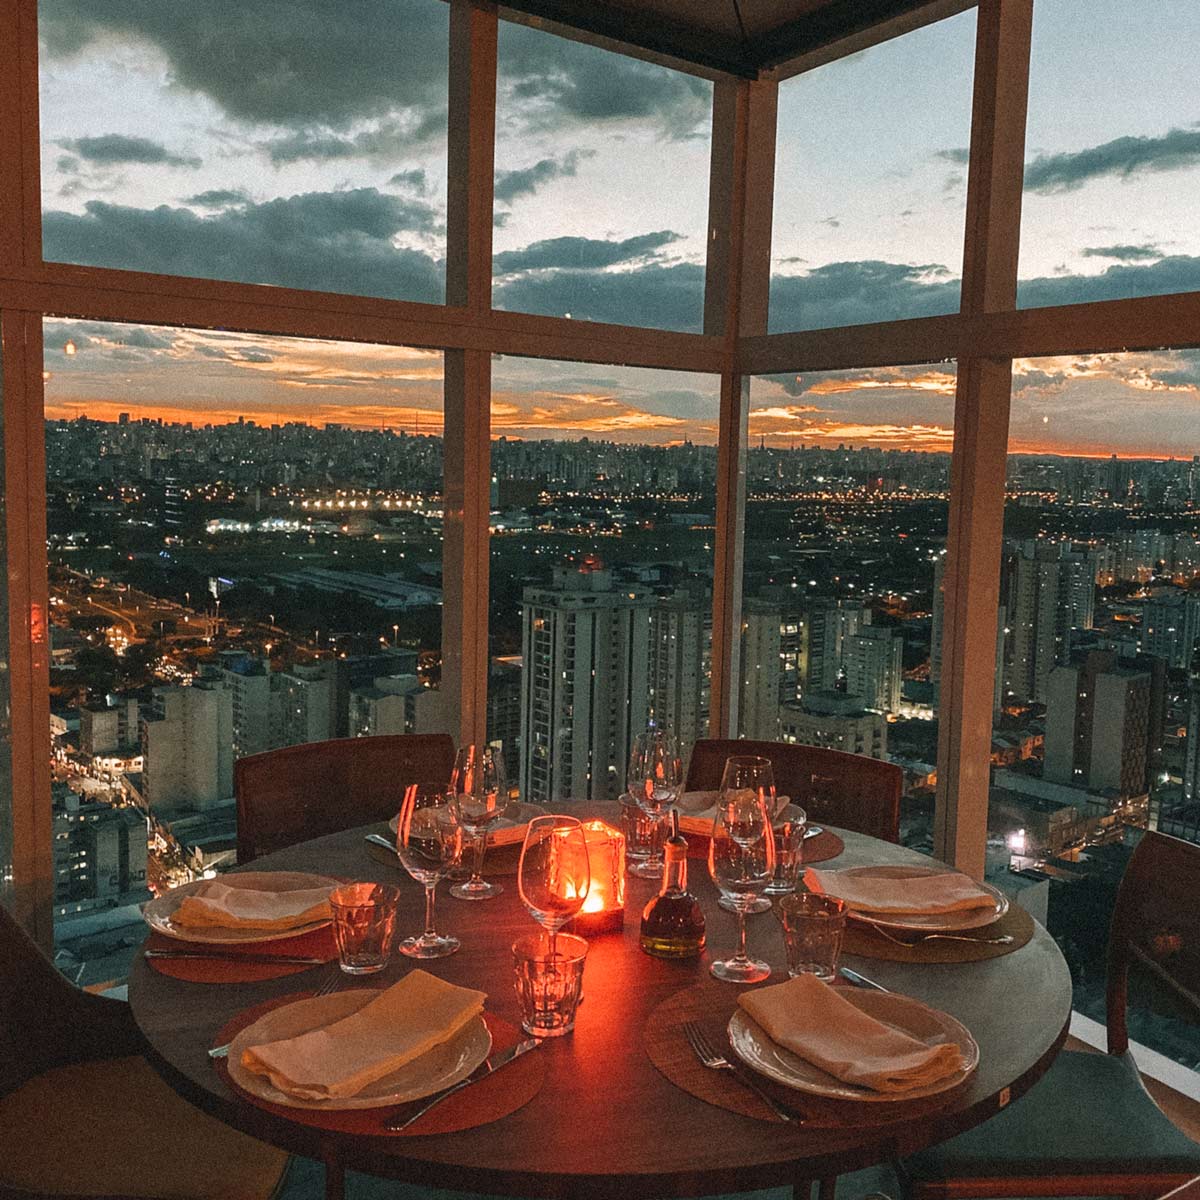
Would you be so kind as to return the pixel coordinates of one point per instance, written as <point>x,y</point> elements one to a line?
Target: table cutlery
<point>708,1056</point>
<point>492,1065</point>
<point>1004,939</point>
<point>860,980</point>
<point>292,960</point>
<point>377,839</point>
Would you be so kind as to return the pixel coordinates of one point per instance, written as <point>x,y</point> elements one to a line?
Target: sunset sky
<point>311,152</point>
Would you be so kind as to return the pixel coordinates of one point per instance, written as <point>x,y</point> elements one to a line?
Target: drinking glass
<point>549,982</point>
<point>364,920</point>
<point>790,825</point>
<point>429,843</point>
<point>479,798</point>
<point>741,855</point>
<point>554,875</point>
<point>643,839</point>
<point>813,927</point>
<point>655,774</point>
<point>756,773</point>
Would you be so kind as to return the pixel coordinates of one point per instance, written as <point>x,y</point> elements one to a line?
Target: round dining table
<point>606,1122</point>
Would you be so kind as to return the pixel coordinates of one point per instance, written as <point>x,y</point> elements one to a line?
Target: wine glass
<point>554,875</point>
<point>755,772</point>
<point>479,798</point>
<point>741,856</point>
<point>654,779</point>
<point>429,844</point>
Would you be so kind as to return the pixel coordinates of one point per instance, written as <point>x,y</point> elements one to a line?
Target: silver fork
<point>709,1057</point>
<point>1004,939</point>
<point>335,980</point>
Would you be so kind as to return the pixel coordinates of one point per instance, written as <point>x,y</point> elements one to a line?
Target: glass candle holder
<point>604,908</point>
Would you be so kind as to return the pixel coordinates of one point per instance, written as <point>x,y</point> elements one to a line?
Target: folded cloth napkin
<point>809,1018</point>
<point>950,891</point>
<point>400,1024</point>
<point>217,905</point>
<point>698,810</point>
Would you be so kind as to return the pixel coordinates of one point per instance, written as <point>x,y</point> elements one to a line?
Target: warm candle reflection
<point>604,907</point>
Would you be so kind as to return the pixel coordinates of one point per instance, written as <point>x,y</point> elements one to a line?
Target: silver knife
<point>377,839</point>
<point>293,960</point>
<point>492,1065</point>
<point>860,980</point>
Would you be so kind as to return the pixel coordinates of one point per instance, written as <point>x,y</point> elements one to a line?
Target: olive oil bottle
<point>673,922</point>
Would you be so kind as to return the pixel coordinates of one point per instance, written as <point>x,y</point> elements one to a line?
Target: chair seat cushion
<point>1088,1114</point>
<point>114,1128</point>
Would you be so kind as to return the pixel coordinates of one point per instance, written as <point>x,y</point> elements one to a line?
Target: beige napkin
<point>216,905</point>
<point>948,892</point>
<point>400,1024</point>
<point>809,1018</point>
<point>698,810</point>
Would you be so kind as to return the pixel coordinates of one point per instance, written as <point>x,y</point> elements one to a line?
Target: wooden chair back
<point>1155,933</point>
<point>849,790</point>
<point>301,792</point>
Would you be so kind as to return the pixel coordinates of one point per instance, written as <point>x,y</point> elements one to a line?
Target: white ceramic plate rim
<point>505,825</point>
<point>954,922</point>
<point>158,912</point>
<point>473,1043</point>
<point>752,1045</point>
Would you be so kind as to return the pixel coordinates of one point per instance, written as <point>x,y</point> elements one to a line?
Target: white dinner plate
<point>698,810</point>
<point>509,830</point>
<point>159,911</point>
<point>446,1064</point>
<point>951,922</point>
<point>752,1045</point>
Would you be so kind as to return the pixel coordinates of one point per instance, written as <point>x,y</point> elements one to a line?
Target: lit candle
<point>604,906</point>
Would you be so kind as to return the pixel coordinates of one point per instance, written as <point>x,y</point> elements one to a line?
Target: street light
<point>395,635</point>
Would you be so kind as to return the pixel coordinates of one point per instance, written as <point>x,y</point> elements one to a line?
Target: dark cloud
<point>959,155</point>
<point>524,182</point>
<point>234,354</point>
<point>415,181</point>
<point>218,198</point>
<point>1178,273</point>
<point>1122,157</point>
<point>1181,369</point>
<point>333,241</point>
<point>66,164</point>
<point>1123,253</point>
<point>579,253</point>
<point>802,385</point>
<point>386,140</point>
<point>115,149</point>
<point>654,296</point>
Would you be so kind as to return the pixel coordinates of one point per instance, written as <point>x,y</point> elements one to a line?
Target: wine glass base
<point>647,869</point>
<point>437,946</point>
<point>732,971</point>
<point>472,890</point>
<point>759,904</point>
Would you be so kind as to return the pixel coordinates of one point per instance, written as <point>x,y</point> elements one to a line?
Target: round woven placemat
<point>480,1104</point>
<point>870,943</point>
<point>822,848</point>
<point>317,943</point>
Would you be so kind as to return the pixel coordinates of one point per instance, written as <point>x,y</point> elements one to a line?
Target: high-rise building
<point>305,704</point>
<point>680,669</point>
<point>585,690</point>
<point>836,721</point>
<point>249,682</point>
<point>387,705</point>
<point>830,624</point>
<point>103,728</point>
<point>504,710</point>
<point>874,667</point>
<point>1191,746</point>
<point>761,669</point>
<point>99,852</point>
<point>1171,626</point>
<point>1098,725</point>
<point>187,747</point>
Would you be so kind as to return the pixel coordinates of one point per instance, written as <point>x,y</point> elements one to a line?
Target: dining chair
<point>1088,1127</point>
<point>302,792</point>
<point>84,1114</point>
<point>849,790</point>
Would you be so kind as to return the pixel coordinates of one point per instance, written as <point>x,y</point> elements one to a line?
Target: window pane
<point>870,182</point>
<point>1098,688</point>
<point>245,548</point>
<point>848,481</point>
<point>1112,152</point>
<point>291,149</point>
<point>585,141</point>
<point>604,487</point>
<point>6,813</point>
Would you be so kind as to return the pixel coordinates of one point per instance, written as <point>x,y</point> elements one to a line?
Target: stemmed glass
<point>554,875</point>
<point>741,855</point>
<point>429,843</point>
<point>758,773</point>
<point>654,780</point>
<point>479,798</point>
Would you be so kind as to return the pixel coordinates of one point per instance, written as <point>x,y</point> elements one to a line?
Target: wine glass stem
<point>480,845</point>
<point>430,890</point>
<point>741,923</point>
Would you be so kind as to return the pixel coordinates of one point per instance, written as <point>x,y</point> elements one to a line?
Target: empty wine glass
<point>654,780</point>
<point>479,797</point>
<point>554,875</point>
<point>741,856</point>
<point>429,844</point>
<point>757,773</point>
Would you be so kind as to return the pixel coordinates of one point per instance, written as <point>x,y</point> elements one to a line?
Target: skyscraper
<point>873,660</point>
<point>585,690</point>
<point>1191,747</point>
<point>187,747</point>
<point>681,664</point>
<point>1171,626</point>
<point>761,663</point>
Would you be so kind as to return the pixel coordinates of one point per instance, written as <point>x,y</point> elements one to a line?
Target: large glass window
<point>6,814</point>
<point>245,553</point>
<point>847,490</point>
<point>252,142</point>
<point>602,165</point>
<point>604,486</point>
<point>1112,152</point>
<point>1097,697</point>
<point>870,182</point>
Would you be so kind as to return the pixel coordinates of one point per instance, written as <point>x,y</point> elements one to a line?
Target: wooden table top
<point>606,1123</point>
